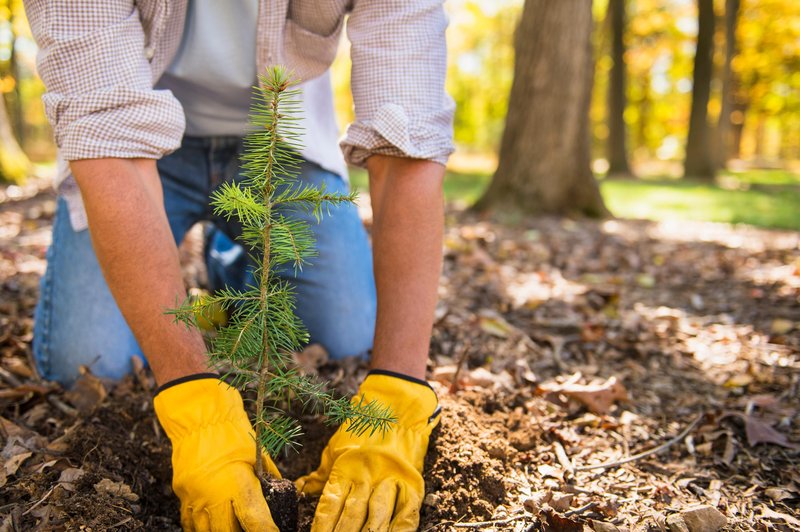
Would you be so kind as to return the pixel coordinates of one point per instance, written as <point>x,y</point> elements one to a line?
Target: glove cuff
<point>185,378</point>
<point>188,406</point>
<point>413,400</point>
<point>400,376</point>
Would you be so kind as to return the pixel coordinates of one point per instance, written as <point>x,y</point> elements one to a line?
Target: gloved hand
<point>213,456</point>
<point>375,482</point>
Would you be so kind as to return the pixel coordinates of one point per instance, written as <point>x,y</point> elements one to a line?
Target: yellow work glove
<point>213,455</point>
<point>374,482</point>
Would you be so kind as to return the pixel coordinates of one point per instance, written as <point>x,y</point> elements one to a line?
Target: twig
<point>495,522</point>
<point>10,377</point>
<point>563,459</point>
<point>459,365</point>
<point>644,454</point>
<point>584,508</point>
<point>46,495</point>
<point>115,525</point>
<point>61,405</point>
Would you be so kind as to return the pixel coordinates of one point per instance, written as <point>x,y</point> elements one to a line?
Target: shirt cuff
<point>393,132</point>
<point>116,122</point>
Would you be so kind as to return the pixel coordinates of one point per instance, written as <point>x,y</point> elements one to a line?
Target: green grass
<point>459,188</point>
<point>764,198</point>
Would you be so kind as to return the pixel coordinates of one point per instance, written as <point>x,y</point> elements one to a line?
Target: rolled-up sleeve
<point>99,95</point>
<point>399,62</point>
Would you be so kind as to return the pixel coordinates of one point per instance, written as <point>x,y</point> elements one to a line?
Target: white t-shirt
<point>214,71</point>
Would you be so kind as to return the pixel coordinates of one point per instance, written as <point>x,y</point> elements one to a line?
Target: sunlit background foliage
<point>660,50</point>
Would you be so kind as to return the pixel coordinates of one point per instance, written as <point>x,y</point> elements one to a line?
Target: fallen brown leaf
<point>767,513</point>
<point>87,393</point>
<point>598,398</point>
<point>759,430</point>
<point>116,489</point>
<point>555,523</point>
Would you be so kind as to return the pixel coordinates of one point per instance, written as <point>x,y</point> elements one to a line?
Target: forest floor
<point>609,375</point>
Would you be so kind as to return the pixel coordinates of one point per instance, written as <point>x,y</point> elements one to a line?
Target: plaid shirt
<point>99,61</point>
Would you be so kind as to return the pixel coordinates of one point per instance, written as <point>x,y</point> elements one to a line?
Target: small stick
<point>480,524</point>
<point>582,509</point>
<point>644,454</point>
<point>10,377</point>
<point>461,359</point>
<point>61,405</point>
<point>563,459</point>
<point>115,525</point>
<point>46,495</point>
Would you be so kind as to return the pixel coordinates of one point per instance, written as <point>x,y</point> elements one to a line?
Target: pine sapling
<point>255,348</point>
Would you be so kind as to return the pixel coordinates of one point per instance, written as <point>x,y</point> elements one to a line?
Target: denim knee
<point>76,321</point>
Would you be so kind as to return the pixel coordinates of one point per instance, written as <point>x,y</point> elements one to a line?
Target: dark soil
<point>699,323</point>
<point>281,496</point>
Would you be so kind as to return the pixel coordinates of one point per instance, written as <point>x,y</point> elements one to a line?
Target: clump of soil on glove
<point>282,500</point>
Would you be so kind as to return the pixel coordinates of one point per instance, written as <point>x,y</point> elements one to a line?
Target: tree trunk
<point>14,164</point>
<point>740,106</point>
<point>699,160</point>
<point>725,126</point>
<point>645,105</point>
<point>617,152</point>
<point>544,154</point>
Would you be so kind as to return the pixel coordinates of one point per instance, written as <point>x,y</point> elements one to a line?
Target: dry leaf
<point>14,453</point>
<point>481,377</point>
<point>598,398</point>
<point>87,393</point>
<point>310,359</point>
<point>760,431</point>
<point>772,514</point>
<point>12,464</point>
<point>444,374</point>
<point>781,326</point>
<point>779,494</point>
<point>494,324</point>
<point>645,280</point>
<point>69,476</point>
<point>555,523</point>
<point>535,502</point>
<point>11,430</point>
<point>549,471</point>
<point>115,489</point>
<point>561,501</point>
<point>739,381</point>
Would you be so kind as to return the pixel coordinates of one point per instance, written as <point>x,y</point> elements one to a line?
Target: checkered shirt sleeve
<point>399,58</point>
<point>109,109</point>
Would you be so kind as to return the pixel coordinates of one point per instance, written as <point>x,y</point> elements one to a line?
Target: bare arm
<point>408,214</point>
<point>139,259</point>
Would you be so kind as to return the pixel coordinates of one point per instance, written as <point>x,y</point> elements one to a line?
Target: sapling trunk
<point>263,371</point>
<point>254,347</point>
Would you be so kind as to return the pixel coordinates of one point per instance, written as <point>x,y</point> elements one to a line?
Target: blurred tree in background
<point>617,146</point>
<point>545,164</point>
<point>699,162</point>
<point>723,141</point>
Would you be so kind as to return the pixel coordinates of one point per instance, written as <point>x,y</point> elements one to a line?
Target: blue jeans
<point>78,323</point>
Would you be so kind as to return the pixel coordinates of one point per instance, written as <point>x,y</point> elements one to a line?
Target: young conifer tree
<point>255,347</point>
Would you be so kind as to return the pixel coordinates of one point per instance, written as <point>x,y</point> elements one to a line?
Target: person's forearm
<point>408,221</point>
<point>139,259</point>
